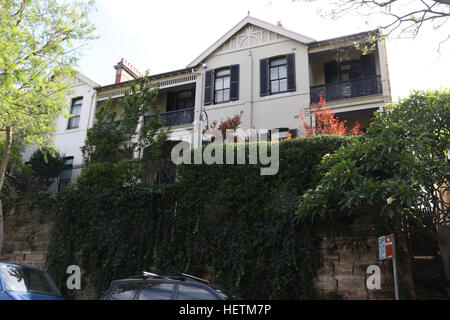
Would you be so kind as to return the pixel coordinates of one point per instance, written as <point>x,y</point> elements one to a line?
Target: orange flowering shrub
<point>228,124</point>
<point>326,123</point>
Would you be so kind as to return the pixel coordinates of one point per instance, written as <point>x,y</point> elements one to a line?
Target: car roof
<point>18,265</point>
<point>160,279</point>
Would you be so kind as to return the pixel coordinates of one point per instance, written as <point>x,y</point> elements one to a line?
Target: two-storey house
<point>271,74</point>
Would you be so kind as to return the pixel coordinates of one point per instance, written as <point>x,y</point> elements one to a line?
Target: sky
<point>162,36</point>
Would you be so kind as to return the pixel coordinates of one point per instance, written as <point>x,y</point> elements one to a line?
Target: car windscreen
<point>25,280</point>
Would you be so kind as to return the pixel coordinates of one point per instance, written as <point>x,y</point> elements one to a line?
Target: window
<point>178,100</point>
<point>194,293</point>
<point>222,86</point>
<point>278,75</point>
<point>279,134</point>
<point>19,279</point>
<point>66,174</point>
<point>350,70</point>
<point>156,291</point>
<point>75,111</point>
<point>126,291</point>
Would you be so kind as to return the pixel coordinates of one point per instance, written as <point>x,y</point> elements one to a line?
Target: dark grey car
<point>154,287</point>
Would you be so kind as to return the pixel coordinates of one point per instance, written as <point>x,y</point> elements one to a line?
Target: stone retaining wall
<point>343,272</point>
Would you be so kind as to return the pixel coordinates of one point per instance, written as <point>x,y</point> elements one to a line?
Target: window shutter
<point>368,65</point>
<point>269,135</point>
<point>291,85</point>
<point>331,70</point>
<point>209,87</point>
<point>171,101</point>
<point>264,77</point>
<point>234,82</point>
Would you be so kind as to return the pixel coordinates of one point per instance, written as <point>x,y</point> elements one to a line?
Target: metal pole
<point>394,266</point>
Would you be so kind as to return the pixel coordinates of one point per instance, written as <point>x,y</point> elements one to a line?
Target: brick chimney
<point>125,71</point>
<point>279,24</point>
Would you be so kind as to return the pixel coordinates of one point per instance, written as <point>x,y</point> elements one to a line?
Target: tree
<point>397,171</point>
<point>46,166</point>
<point>326,122</point>
<point>40,42</point>
<point>118,133</point>
<point>402,18</point>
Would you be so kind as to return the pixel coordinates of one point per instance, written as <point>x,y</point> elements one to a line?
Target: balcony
<point>347,89</point>
<point>176,117</point>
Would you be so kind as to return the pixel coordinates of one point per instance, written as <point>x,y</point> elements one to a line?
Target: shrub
<point>225,217</point>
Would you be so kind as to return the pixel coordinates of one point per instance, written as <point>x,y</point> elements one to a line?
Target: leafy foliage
<point>118,133</point>
<point>18,174</point>
<point>39,46</point>
<point>37,56</point>
<point>46,166</point>
<point>227,218</point>
<point>396,171</point>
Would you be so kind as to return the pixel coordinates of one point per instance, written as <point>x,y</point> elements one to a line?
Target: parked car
<point>19,282</point>
<point>150,286</point>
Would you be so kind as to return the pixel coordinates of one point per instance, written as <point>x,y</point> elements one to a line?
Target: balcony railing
<point>347,89</point>
<point>177,117</point>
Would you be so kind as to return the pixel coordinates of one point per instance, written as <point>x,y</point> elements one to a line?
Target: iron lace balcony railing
<point>347,89</point>
<point>177,117</point>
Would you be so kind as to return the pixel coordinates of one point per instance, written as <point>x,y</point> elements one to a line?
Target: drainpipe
<point>250,54</point>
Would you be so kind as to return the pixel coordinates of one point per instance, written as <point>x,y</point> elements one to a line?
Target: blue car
<point>19,282</point>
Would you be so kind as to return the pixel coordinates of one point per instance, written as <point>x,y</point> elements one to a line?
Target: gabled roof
<point>86,80</point>
<point>250,20</point>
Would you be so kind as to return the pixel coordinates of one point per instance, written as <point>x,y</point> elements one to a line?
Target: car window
<point>156,291</point>
<point>186,292</point>
<point>26,280</point>
<point>125,291</point>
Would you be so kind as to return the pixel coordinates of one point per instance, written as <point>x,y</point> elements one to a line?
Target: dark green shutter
<point>234,82</point>
<point>368,65</point>
<point>171,101</point>
<point>291,84</point>
<point>264,77</point>
<point>331,70</point>
<point>209,87</point>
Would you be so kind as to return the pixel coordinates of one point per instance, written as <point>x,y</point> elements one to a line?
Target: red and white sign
<point>385,247</point>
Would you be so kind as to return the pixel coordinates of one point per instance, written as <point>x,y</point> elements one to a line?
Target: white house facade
<point>70,133</point>
<point>272,75</point>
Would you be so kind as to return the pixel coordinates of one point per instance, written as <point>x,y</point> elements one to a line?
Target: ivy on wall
<point>226,218</point>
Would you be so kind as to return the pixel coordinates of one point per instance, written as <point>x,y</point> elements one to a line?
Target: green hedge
<point>227,218</point>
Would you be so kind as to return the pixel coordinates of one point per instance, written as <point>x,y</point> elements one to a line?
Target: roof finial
<point>248,12</point>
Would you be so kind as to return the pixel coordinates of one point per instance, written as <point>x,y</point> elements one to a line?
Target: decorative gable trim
<point>258,31</point>
<point>249,36</point>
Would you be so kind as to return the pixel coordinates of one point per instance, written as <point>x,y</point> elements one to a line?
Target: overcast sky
<point>167,35</point>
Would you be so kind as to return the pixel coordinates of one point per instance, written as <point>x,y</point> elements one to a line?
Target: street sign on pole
<point>386,248</point>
